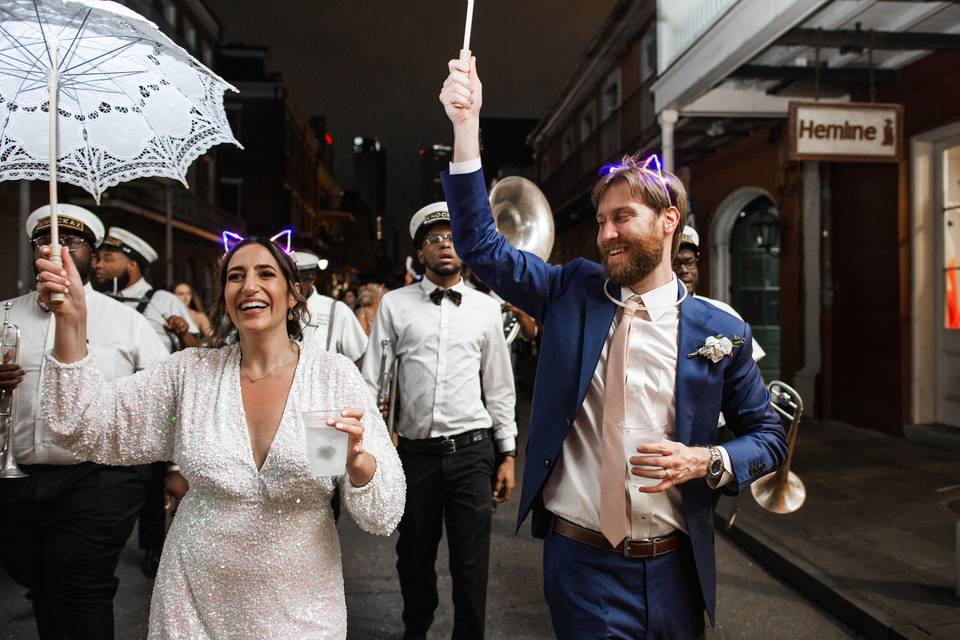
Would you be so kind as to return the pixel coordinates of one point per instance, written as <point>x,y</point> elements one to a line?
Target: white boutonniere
<point>716,348</point>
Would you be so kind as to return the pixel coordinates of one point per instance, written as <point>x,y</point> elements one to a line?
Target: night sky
<point>374,67</point>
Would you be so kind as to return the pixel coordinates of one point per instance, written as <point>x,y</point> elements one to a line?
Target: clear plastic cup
<point>326,446</point>
<point>635,433</point>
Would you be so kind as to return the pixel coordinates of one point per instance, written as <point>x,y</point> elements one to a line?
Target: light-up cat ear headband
<point>656,171</point>
<point>283,241</point>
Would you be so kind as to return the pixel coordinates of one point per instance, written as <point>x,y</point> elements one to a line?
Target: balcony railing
<point>628,126</point>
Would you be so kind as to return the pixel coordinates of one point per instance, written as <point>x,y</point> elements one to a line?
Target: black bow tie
<point>437,295</point>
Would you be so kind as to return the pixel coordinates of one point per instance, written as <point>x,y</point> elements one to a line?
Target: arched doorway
<point>755,276</point>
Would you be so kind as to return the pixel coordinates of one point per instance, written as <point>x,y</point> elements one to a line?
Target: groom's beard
<point>643,254</point>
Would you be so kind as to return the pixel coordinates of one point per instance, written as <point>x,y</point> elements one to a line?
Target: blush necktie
<point>614,521</point>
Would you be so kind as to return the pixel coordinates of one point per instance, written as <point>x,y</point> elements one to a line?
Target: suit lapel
<point>597,320</point>
<point>692,332</point>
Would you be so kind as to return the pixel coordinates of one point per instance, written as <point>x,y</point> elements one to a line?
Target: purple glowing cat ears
<point>283,240</point>
<point>653,160</point>
<point>650,166</point>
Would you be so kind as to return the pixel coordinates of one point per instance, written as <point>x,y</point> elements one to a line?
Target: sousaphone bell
<point>523,215</point>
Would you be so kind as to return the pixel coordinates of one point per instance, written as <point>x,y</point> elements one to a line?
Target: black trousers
<point>453,490</point>
<point>153,517</point>
<point>61,535</point>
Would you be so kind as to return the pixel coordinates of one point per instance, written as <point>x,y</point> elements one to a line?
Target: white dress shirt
<point>445,350</point>
<point>573,489</point>
<point>120,342</point>
<point>347,338</point>
<point>162,305</point>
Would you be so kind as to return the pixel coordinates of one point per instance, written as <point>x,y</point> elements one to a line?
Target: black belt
<point>443,446</point>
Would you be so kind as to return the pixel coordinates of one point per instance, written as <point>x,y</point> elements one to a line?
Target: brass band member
<point>64,526</point>
<point>449,338</point>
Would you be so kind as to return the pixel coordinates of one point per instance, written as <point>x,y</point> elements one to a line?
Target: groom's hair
<point>658,189</point>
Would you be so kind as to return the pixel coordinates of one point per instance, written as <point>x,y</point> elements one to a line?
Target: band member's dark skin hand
<point>671,462</point>
<point>505,480</point>
<point>181,329</point>
<point>174,489</point>
<point>11,375</point>
<point>384,410</point>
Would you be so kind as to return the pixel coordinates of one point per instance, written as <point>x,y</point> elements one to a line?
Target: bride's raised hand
<point>70,339</point>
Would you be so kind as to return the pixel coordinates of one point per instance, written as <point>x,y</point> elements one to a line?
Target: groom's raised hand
<point>670,462</point>
<point>462,98</point>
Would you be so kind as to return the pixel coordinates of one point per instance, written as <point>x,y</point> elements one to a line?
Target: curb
<point>854,608</point>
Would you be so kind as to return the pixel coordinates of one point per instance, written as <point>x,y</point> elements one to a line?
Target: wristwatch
<point>715,470</point>
<point>502,455</point>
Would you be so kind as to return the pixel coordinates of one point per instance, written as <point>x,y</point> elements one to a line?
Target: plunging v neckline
<point>251,458</point>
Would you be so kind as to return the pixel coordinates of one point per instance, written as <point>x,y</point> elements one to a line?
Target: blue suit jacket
<point>576,317</point>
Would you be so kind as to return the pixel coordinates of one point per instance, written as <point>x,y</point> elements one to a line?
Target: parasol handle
<point>52,91</point>
<point>467,30</point>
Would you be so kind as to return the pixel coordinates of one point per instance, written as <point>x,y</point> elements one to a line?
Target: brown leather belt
<point>642,549</point>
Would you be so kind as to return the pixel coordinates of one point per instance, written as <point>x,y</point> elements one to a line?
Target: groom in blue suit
<point>629,548</point>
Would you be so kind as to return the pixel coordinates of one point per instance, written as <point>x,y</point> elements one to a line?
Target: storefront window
<point>951,236</point>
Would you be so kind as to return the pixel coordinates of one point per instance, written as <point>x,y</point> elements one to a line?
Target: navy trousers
<point>593,593</point>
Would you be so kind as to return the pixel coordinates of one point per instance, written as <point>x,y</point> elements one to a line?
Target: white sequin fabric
<point>251,553</point>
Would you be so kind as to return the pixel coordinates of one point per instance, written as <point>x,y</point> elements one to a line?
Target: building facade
<point>846,269</point>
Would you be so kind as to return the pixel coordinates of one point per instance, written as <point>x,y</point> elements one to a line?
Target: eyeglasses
<point>72,243</point>
<point>437,238</point>
<point>689,263</point>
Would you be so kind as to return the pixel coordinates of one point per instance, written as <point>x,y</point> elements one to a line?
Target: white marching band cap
<point>129,244</point>
<point>306,260</point>
<point>430,214</point>
<point>70,217</point>
<point>690,236</point>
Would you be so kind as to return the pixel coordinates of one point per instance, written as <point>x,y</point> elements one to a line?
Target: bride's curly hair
<point>224,330</point>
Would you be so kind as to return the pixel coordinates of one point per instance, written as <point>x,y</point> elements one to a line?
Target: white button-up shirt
<point>162,305</point>
<point>120,341</point>
<point>347,337</point>
<point>573,489</point>
<point>445,351</point>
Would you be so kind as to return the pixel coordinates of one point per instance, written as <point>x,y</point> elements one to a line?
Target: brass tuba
<point>783,491</point>
<point>523,215</point>
<point>10,348</point>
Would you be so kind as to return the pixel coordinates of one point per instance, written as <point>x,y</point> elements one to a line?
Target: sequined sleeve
<point>126,421</point>
<point>378,505</point>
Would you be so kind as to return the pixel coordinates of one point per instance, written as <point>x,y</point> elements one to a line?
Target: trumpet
<point>10,349</point>
<point>387,387</point>
<point>783,491</point>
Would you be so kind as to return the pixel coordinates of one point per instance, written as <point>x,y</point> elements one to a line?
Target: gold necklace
<point>277,368</point>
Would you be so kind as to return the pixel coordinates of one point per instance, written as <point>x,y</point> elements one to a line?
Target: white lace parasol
<point>131,103</point>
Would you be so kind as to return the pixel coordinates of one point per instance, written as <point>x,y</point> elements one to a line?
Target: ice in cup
<point>326,446</point>
<point>633,434</point>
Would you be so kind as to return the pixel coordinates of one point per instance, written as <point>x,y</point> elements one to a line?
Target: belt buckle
<point>448,446</point>
<point>628,551</point>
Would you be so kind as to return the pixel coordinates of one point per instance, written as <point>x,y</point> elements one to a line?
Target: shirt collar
<point>137,290</point>
<point>427,286</point>
<point>657,301</point>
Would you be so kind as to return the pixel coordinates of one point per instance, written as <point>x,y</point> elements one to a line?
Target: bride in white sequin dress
<point>253,551</point>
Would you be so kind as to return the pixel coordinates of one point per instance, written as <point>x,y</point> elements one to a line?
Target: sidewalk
<point>874,544</point>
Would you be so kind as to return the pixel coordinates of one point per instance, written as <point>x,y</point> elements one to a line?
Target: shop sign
<point>846,132</point>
